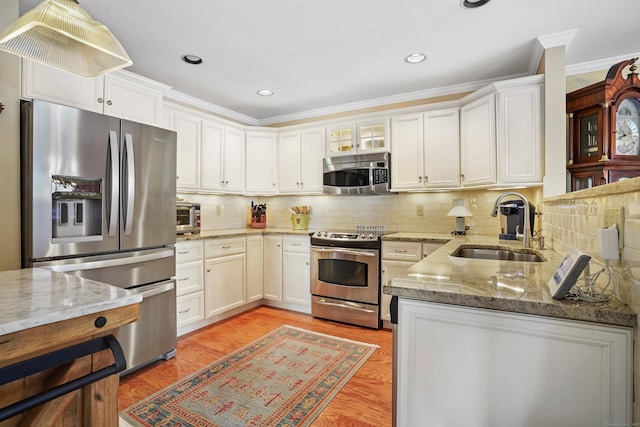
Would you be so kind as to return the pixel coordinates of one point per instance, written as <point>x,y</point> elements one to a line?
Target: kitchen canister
<point>300,221</point>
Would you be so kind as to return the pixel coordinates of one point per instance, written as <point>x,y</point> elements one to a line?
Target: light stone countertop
<point>33,297</point>
<point>239,232</point>
<point>511,286</point>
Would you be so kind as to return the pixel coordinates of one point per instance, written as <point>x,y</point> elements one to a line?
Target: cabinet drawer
<point>298,244</point>
<point>223,247</point>
<point>188,251</point>
<point>190,308</point>
<point>189,278</point>
<point>403,251</point>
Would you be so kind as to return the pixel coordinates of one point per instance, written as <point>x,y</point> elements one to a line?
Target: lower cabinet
<point>255,271</point>
<point>464,366</point>
<point>225,275</point>
<point>272,263</point>
<point>296,271</point>
<point>397,257</point>
<point>189,283</point>
<point>287,272</point>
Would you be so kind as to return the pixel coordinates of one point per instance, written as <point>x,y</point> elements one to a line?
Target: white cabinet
<point>426,150</point>
<point>520,134</point>
<point>300,156</point>
<point>119,94</point>
<point>296,271</point>
<point>478,142</point>
<point>188,129</point>
<point>442,148</point>
<point>255,268</point>
<point>509,369</point>
<point>273,268</point>
<point>287,271</point>
<point>233,165</point>
<point>210,155</point>
<point>260,163</point>
<point>222,158</point>
<point>358,138</point>
<point>397,257</point>
<point>189,284</point>
<point>225,275</point>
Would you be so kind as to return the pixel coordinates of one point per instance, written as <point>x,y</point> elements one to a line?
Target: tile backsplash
<point>396,212</point>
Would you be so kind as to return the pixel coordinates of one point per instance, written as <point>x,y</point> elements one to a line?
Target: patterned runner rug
<point>285,378</point>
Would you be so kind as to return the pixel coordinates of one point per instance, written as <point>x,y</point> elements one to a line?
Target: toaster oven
<point>187,217</point>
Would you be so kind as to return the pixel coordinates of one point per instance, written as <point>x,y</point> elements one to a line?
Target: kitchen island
<point>43,312</point>
<point>481,342</point>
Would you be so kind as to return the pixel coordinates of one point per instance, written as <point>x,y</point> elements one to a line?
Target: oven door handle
<point>344,251</point>
<point>341,305</point>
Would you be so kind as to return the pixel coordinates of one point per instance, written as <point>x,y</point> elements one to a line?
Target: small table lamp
<point>459,210</point>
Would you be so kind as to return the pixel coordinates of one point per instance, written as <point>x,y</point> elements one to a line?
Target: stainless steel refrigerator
<point>98,201</point>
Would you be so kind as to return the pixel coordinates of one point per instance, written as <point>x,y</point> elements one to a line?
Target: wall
<point>10,146</point>
<point>397,212</point>
<point>573,220</point>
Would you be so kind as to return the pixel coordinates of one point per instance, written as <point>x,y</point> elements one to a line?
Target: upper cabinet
<point>300,156</point>
<point>358,138</point>
<point>604,127</point>
<point>260,164</point>
<point>478,142</point>
<point>210,155</point>
<point>120,94</point>
<point>426,150</point>
<point>520,134</point>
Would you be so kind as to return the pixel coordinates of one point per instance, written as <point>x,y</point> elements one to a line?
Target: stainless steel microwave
<point>187,217</point>
<point>357,174</point>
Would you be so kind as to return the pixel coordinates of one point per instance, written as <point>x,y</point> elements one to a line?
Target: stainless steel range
<point>345,277</point>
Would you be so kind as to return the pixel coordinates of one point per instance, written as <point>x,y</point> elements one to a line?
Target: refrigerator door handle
<point>131,184</point>
<point>92,265</point>
<point>115,173</point>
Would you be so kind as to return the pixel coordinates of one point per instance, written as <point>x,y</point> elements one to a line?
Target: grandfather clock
<point>604,121</point>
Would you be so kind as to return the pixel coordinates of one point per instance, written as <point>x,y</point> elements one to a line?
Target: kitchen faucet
<point>526,235</point>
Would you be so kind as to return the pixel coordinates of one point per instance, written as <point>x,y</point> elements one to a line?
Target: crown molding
<point>598,65</point>
<point>213,108</point>
<point>387,100</point>
<point>548,41</point>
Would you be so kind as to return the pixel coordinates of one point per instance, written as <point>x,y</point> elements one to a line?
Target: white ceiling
<point>332,55</point>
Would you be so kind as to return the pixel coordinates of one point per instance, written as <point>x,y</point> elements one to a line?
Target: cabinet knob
<point>419,179</point>
<point>208,270</point>
<point>100,100</point>
<point>462,177</point>
<point>426,179</point>
<point>109,102</point>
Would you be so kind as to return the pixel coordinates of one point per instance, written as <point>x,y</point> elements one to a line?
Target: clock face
<point>627,126</point>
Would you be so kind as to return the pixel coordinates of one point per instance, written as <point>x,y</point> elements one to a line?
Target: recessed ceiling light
<point>191,59</point>
<point>265,92</point>
<point>415,58</point>
<point>470,4</point>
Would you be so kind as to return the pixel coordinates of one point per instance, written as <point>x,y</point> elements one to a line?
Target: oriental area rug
<point>285,378</point>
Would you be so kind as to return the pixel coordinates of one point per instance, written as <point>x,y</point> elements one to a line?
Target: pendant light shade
<point>62,34</point>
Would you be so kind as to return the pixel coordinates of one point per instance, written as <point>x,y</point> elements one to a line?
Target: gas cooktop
<point>346,239</point>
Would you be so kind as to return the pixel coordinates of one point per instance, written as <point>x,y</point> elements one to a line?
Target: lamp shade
<point>459,208</point>
<point>62,34</point>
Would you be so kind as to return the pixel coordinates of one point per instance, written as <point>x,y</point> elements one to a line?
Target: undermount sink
<point>495,253</point>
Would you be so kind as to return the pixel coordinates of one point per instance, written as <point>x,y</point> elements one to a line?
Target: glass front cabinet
<point>358,138</point>
<point>603,127</point>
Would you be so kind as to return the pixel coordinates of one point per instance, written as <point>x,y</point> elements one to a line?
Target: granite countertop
<point>239,232</point>
<point>33,297</point>
<point>511,286</point>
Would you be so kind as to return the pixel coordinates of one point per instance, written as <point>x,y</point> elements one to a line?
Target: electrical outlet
<point>420,210</point>
<point>615,216</point>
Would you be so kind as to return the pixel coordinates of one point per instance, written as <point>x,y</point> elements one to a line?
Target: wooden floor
<point>364,401</point>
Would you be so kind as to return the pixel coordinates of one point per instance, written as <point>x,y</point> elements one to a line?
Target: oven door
<point>347,274</point>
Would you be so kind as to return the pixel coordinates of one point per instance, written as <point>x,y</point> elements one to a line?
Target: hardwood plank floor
<point>364,401</point>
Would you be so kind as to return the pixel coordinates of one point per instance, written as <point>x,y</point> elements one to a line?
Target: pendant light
<point>62,34</point>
